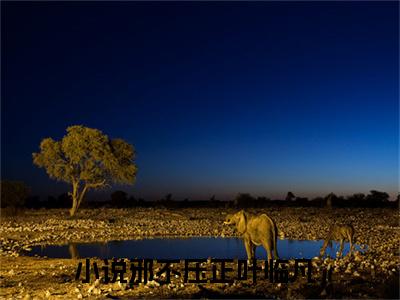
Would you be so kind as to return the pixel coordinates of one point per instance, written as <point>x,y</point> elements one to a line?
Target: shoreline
<point>366,272</point>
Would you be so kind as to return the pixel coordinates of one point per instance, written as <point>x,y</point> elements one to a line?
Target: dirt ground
<point>371,274</point>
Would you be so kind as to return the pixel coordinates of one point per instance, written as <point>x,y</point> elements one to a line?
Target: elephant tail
<point>276,241</point>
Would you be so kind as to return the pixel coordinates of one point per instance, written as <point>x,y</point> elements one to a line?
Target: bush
<point>13,195</point>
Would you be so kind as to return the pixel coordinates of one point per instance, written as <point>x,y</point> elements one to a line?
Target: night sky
<point>217,98</point>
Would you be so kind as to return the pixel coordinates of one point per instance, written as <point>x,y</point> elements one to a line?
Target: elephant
<point>338,233</point>
<point>255,231</point>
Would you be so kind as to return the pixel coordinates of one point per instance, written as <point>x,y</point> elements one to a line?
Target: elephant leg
<point>253,251</point>
<point>322,252</point>
<point>341,248</point>
<point>248,246</point>
<point>268,248</point>
<point>351,246</point>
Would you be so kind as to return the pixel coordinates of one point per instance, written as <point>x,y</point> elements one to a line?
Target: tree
<point>33,202</point>
<point>380,196</point>
<point>63,200</point>
<point>357,199</point>
<point>119,199</point>
<point>301,201</point>
<point>290,196</point>
<point>167,198</point>
<point>329,200</point>
<point>244,200</point>
<point>132,202</point>
<point>377,198</point>
<point>87,159</point>
<point>263,201</point>
<point>13,193</point>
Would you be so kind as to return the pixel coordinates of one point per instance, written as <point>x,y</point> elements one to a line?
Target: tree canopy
<point>87,159</point>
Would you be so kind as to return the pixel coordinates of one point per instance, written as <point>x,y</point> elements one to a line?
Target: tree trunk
<point>82,194</point>
<point>73,251</point>
<point>75,198</point>
<point>74,208</point>
<point>329,202</point>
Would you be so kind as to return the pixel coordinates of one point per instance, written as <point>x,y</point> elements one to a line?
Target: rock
<point>96,283</point>
<point>153,283</point>
<point>122,286</point>
<point>91,288</point>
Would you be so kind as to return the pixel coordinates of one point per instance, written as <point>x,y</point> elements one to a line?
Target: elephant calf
<point>338,233</point>
<point>255,231</point>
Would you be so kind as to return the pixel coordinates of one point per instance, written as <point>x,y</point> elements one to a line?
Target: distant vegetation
<point>87,159</point>
<point>14,194</point>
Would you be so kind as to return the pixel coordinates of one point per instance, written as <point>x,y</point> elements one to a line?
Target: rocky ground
<point>373,274</point>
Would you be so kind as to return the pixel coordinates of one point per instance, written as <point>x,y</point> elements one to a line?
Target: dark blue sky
<point>217,98</point>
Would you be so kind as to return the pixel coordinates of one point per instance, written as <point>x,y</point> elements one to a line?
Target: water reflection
<point>175,248</point>
<point>73,250</point>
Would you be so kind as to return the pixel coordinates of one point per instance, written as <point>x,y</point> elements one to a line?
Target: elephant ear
<point>242,224</point>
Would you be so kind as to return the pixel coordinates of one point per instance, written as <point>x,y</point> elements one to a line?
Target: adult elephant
<point>255,231</point>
